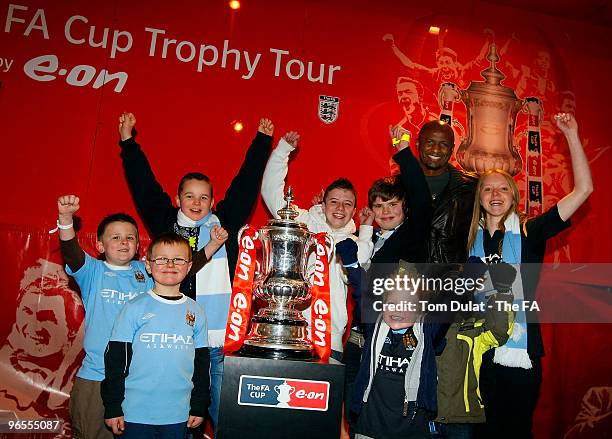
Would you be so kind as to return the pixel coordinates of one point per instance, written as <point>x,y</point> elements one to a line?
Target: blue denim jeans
<point>146,431</point>
<point>216,377</point>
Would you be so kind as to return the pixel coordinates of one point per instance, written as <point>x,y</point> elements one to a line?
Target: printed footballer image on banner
<point>283,393</point>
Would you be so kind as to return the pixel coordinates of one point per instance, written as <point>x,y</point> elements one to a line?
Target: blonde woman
<point>511,376</point>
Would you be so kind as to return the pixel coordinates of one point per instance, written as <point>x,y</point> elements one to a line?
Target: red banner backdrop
<point>340,73</point>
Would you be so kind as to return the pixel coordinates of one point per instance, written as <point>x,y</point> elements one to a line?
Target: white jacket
<point>273,193</point>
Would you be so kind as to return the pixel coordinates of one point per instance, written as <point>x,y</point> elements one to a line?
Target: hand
<point>366,216</point>
<point>566,123</point>
<point>389,37</point>
<point>502,276</point>
<point>400,137</point>
<point>67,205</point>
<point>266,126</point>
<point>474,268</point>
<point>318,198</point>
<point>116,424</point>
<point>127,122</point>
<point>218,235</point>
<point>347,250</point>
<point>292,138</point>
<point>194,421</point>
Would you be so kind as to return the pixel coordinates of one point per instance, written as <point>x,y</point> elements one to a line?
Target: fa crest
<point>329,107</point>
<point>190,318</point>
<point>140,277</point>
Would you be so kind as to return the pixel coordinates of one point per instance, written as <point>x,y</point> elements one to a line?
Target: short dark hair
<point>341,183</point>
<point>168,238</point>
<point>113,218</point>
<point>436,125</point>
<point>387,188</point>
<point>194,176</point>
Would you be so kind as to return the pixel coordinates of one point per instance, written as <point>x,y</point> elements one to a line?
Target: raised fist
<point>127,121</point>
<point>400,137</point>
<point>566,123</point>
<point>266,126</point>
<point>292,138</point>
<point>366,216</point>
<point>318,197</point>
<point>389,37</point>
<point>218,235</point>
<point>67,205</point>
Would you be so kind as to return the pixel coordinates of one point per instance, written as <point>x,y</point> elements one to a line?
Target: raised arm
<point>583,183</point>
<point>273,184</point>
<point>71,250</point>
<point>240,198</point>
<point>153,204</point>
<point>402,56</point>
<point>418,202</point>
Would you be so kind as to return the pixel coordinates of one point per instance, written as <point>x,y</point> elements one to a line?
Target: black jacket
<point>408,242</point>
<point>159,214</point>
<point>452,214</point>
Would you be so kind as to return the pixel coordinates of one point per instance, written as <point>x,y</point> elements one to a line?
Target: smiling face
<point>388,214</point>
<point>408,96</point>
<point>170,274</point>
<point>195,199</point>
<point>339,207</point>
<point>496,196</point>
<point>398,319</point>
<point>119,243</point>
<point>41,322</point>
<point>435,145</point>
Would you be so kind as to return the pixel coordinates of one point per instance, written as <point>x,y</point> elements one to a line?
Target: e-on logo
<point>284,393</point>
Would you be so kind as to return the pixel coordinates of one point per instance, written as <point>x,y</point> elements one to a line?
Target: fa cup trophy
<point>279,330</point>
<point>491,116</point>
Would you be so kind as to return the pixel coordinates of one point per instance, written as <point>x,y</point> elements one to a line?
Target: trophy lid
<point>288,214</point>
<point>492,78</point>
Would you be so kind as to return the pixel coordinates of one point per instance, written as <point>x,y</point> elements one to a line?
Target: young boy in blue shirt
<point>105,287</point>
<point>157,362</point>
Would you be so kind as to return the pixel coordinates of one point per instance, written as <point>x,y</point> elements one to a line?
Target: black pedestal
<point>280,399</point>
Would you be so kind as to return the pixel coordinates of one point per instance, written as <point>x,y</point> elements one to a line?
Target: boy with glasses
<point>157,361</point>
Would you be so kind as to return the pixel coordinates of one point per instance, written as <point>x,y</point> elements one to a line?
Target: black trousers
<point>352,360</point>
<point>510,396</point>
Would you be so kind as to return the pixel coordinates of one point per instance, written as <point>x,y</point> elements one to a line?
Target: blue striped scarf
<point>514,352</point>
<point>213,286</point>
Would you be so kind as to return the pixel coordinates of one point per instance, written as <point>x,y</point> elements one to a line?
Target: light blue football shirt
<point>164,335</point>
<point>105,289</point>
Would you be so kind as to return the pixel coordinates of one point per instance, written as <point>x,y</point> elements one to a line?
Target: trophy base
<point>274,338</point>
<point>275,354</point>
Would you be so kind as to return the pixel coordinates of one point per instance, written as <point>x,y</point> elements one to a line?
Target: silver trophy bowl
<point>278,330</point>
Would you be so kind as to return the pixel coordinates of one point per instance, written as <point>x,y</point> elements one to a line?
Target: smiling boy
<point>157,362</point>
<point>105,287</point>
<point>194,219</point>
<point>334,216</point>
